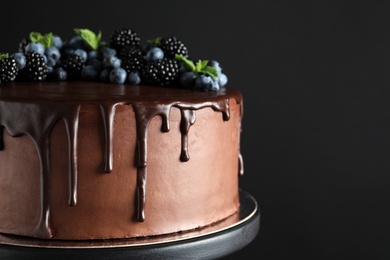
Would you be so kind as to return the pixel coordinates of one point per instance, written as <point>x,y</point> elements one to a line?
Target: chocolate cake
<point>115,140</point>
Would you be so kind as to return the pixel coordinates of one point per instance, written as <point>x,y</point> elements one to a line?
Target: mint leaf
<point>46,40</point>
<point>35,36</point>
<point>188,63</point>
<point>4,56</point>
<point>211,71</point>
<point>201,64</point>
<point>99,37</point>
<point>154,42</point>
<point>89,37</point>
<point>200,67</point>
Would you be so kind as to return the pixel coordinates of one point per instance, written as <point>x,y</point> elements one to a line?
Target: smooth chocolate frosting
<point>34,109</point>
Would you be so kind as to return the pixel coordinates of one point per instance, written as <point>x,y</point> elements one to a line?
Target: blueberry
<point>183,68</point>
<point>82,53</point>
<point>68,51</point>
<point>203,82</point>
<point>50,61</point>
<point>89,73</point>
<point>20,59</point>
<point>104,75</point>
<point>134,78</point>
<point>154,53</point>
<point>93,55</point>
<point>112,62</point>
<point>108,52</point>
<point>53,52</point>
<point>57,42</point>
<point>215,64</point>
<point>50,69</point>
<point>118,76</point>
<point>187,79</point>
<point>44,58</point>
<point>222,79</point>
<point>96,63</point>
<point>35,46</point>
<point>60,74</point>
<point>215,85</point>
<point>76,42</point>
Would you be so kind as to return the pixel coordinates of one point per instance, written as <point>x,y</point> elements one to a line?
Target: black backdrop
<point>315,78</point>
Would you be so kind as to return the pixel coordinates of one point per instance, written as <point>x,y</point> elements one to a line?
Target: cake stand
<point>208,243</point>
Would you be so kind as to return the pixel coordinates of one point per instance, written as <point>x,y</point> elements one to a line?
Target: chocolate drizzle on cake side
<point>34,109</point>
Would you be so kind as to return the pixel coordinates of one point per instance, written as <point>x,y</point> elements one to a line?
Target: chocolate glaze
<point>33,109</point>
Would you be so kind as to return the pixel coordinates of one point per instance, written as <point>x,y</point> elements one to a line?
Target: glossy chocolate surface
<point>33,109</point>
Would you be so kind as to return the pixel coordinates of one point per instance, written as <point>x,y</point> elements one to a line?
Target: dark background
<point>316,84</point>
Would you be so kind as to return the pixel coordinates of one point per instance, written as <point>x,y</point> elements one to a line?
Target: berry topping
<point>162,61</point>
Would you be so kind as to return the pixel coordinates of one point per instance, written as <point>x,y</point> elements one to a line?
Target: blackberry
<point>164,72</point>
<point>130,51</point>
<point>134,64</point>
<point>23,43</point>
<point>124,37</point>
<point>36,68</point>
<point>172,46</point>
<point>73,65</point>
<point>8,69</point>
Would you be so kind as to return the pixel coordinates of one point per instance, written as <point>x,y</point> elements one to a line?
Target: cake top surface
<point>85,91</point>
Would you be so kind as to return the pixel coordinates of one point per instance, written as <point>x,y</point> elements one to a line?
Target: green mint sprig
<point>200,67</point>
<point>45,39</point>
<point>4,56</point>
<point>155,42</point>
<point>92,39</point>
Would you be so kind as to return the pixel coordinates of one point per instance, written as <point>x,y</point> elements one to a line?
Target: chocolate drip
<point>72,126</point>
<point>141,193</point>
<point>43,228</point>
<point>143,115</point>
<point>187,120</point>
<point>31,110</point>
<point>108,112</point>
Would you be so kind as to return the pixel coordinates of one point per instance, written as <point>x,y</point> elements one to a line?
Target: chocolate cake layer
<point>90,160</point>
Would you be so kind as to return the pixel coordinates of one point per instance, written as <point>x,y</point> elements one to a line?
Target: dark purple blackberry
<point>172,46</point>
<point>36,68</point>
<point>130,51</point>
<point>8,69</point>
<point>134,64</point>
<point>73,65</point>
<point>23,43</point>
<point>124,37</point>
<point>164,72</point>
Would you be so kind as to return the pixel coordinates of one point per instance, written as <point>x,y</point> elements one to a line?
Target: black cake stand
<point>208,243</point>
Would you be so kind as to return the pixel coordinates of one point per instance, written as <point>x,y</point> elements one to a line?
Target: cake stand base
<point>205,244</point>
